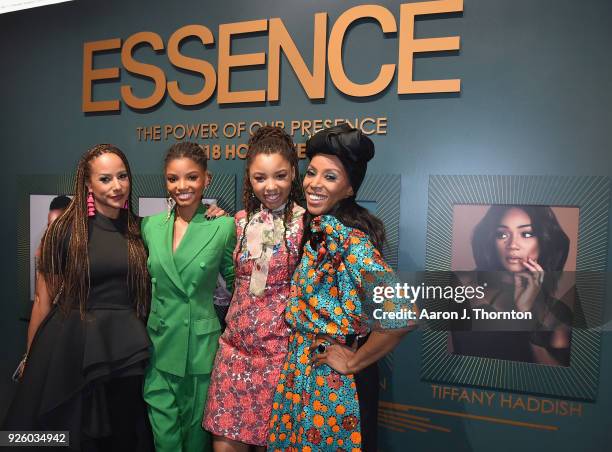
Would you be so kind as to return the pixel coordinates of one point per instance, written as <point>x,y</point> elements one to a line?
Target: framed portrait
<point>509,231</point>
<point>44,209</point>
<point>35,194</point>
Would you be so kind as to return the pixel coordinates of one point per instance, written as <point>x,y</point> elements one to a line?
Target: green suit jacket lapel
<point>165,252</point>
<point>199,233</point>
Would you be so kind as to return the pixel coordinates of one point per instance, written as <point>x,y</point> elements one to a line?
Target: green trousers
<point>175,406</point>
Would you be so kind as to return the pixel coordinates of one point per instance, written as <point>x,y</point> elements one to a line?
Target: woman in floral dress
<point>253,347</point>
<point>326,397</point>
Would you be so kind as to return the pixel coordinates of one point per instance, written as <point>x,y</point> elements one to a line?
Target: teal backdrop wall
<point>536,99</point>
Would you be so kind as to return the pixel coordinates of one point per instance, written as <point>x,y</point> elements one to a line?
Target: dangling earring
<point>126,206</point>
<point>170,203</point>
<point>91,206</point>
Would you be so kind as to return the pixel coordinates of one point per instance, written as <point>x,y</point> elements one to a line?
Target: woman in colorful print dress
<point>254,345</point>
<point>326,397</point>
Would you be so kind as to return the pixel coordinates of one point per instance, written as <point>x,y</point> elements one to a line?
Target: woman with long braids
<point>87,343</point>
<point>327,393</point>
<point>253,347</point>
<point>187,252</point>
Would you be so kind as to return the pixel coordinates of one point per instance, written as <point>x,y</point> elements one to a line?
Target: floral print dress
<point>316,408</point>
<point>253,347</point>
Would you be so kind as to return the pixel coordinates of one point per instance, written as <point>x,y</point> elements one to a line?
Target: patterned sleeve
<point>382,306</point>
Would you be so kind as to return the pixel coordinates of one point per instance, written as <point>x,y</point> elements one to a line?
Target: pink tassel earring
<point>91,207</point>
<point>126,206</point>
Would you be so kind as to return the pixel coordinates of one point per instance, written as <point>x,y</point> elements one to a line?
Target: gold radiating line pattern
<point>385,191</point>
<point>390,416</point>
<point>392,413</point>
<point>396,413</point>
<point>591,195</point>
<point>392,425</point>
<point>399,423</point>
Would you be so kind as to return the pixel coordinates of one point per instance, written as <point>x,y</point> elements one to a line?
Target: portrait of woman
<point>520,252</point>
<point>327,394</point>
<point>87,343</point>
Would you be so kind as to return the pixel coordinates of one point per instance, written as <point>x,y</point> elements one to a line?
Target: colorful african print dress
<point>254,345</point>
<point>316,408</point>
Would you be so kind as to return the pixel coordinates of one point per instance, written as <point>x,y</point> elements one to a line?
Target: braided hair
<point>65,263</point>
<point>271,140</point>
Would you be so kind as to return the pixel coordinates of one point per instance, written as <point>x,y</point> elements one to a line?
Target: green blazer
<point>183,325</point>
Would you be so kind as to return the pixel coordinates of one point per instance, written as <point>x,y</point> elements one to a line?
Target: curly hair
<point>270,140</point>
<point>187,149</point>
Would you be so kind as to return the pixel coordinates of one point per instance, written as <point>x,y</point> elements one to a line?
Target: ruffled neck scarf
<point>264,233</point>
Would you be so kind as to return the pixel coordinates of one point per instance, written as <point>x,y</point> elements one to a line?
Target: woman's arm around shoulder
<point>227,227</point>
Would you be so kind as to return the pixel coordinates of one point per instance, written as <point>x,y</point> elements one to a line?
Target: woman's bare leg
<point>223,444</point>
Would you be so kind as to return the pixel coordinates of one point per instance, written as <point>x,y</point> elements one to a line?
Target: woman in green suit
<point>186,253</point>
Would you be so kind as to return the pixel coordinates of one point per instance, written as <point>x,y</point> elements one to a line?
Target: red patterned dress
<point>253,347</point>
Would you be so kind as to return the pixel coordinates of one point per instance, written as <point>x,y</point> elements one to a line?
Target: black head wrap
<point>351,146</point>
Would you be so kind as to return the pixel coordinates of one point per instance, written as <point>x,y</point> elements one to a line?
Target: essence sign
<point>327,58</point>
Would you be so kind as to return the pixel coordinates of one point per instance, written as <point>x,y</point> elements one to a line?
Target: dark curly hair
<point>271,140</point>
<point>60,203</point>
<point>187,149</point>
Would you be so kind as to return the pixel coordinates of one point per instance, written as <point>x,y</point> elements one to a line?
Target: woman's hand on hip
<point>335,355</point>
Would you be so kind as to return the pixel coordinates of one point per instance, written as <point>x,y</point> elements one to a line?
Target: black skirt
<point>85,376</point>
